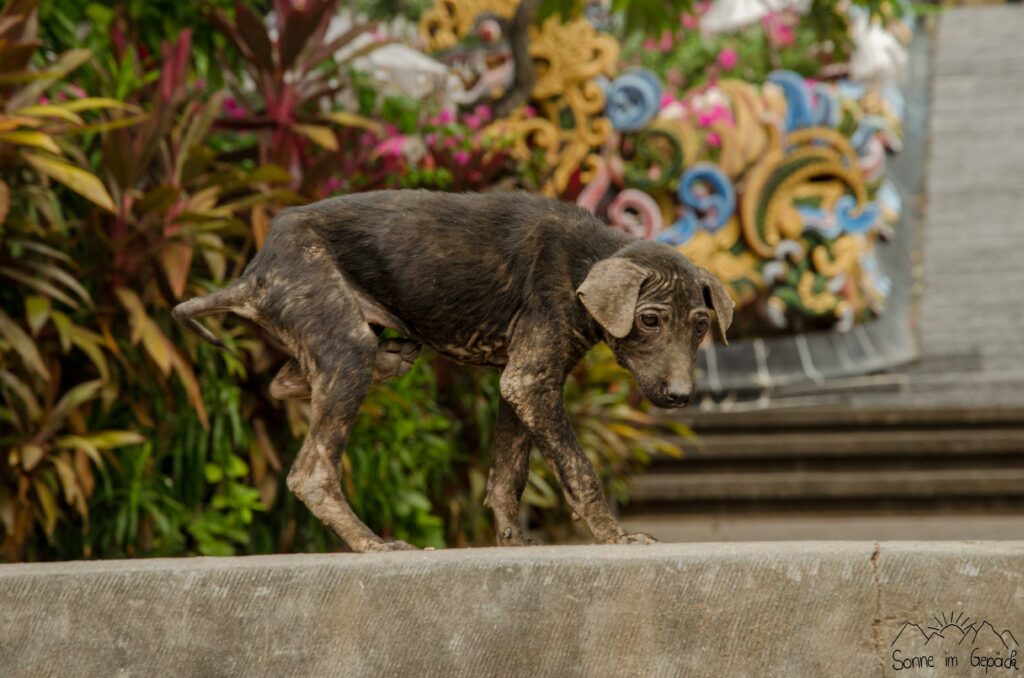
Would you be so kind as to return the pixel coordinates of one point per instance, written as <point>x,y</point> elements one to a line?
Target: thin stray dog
<point>513,281</point>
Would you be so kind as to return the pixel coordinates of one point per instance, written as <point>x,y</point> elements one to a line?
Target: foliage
<point>653,17</point>
<point>129,183</point>
<point>45,404</point>
<point>810,44</point>
<point>109,27</point>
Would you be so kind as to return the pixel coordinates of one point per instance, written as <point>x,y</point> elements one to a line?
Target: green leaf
<point>23,345</point>
<point>38,284</point>
<point>75,178</point>
<point>37,312</point>
<point>58,274</point>
<point>31,455</point>
<point>24,393</point>
<point>50,111</point>
<point>94,103</point>
<point>213,473</point>
<point>318,134</point>
<point>197,131</point>
<point>41,80</point>
<point>31,138</point>
<point>48,504</point>
<point>64,329</point>
<point>71,400</point>
<point>107,440</point>
<point>236,467</point>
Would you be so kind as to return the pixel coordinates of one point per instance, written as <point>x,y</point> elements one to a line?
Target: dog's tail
<point>231,298</point>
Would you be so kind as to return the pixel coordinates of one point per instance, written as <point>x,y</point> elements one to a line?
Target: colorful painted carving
<point>566,121</point>
<point>782,193</point>
<point>779,188</point>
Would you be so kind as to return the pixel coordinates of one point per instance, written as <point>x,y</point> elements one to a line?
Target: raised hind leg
<point>395,357</point>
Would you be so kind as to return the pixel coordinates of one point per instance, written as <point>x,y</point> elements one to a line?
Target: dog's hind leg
<point>290,383</point>
<point>233,298</point>
<point>395,357</point>
<point>335,346</point>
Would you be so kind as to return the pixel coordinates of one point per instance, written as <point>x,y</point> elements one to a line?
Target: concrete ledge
<point>787,609</point>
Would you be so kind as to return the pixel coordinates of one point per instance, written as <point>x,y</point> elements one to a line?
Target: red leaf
<point>175,72</point>
<point>254,33</point>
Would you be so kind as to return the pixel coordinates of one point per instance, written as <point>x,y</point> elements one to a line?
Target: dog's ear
<point>610,292</point>
<point>717,299</point>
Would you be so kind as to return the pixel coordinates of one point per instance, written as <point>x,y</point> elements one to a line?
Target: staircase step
<point>811,485</point>
<point>816,418</point>
<point>865,442</point>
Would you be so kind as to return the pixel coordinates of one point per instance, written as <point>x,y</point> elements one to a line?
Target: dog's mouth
<point>668,404</point>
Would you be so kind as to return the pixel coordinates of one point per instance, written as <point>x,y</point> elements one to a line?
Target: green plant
<point>123,435</point>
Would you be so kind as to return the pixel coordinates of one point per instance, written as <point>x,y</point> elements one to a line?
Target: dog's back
<point>451,266</point>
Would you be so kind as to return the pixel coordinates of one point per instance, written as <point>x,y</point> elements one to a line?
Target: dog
<point>512,281</point>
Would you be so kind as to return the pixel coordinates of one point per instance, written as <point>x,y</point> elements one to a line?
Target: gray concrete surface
<point>932,526</point>
<point>971,315</point>
<point>756,609</point>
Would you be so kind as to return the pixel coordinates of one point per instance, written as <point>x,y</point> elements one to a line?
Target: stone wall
<point>785,609</point>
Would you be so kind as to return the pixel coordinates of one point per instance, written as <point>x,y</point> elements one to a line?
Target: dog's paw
<point>396,545</point>
<point>512,537</point>
<point>637,538</point>
<point>395,357</point>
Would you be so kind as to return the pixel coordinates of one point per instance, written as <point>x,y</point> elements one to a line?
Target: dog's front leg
<point>534,392</point>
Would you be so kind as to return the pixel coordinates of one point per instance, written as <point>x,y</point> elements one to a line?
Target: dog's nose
<point>677,396</point>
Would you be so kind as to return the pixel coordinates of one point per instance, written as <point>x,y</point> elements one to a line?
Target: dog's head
<point>655,308</point>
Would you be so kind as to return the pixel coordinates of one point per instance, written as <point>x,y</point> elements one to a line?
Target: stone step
<point>904,484</point>
<point>816,418</point>
<point>752,444</point>
<point>710,526</point>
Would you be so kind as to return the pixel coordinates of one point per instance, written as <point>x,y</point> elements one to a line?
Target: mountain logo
<point>952,641</point>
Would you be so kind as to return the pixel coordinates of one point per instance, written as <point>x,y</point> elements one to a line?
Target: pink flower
<point>689,21</point>
<point>461,158</point>
<point>779,29</point>
<point>650,44</point>
<point>529,112</point>
<point>430,139</point>
<point>666,99</point>
<point>445,117</point>
<point>391,147</point>
<point>472,121</point>
<point>450,142</point>
<point>483,111</point>
<point>728,58</point>
<point>713,139</point>
<point>43,100</point>
<point>716,114</point>
<point>232,109</point>
<point>666,42</point>
<point>77,91</point>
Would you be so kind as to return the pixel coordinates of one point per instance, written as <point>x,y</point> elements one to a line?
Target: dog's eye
<point>701,327</point>
<point>649,320</point>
